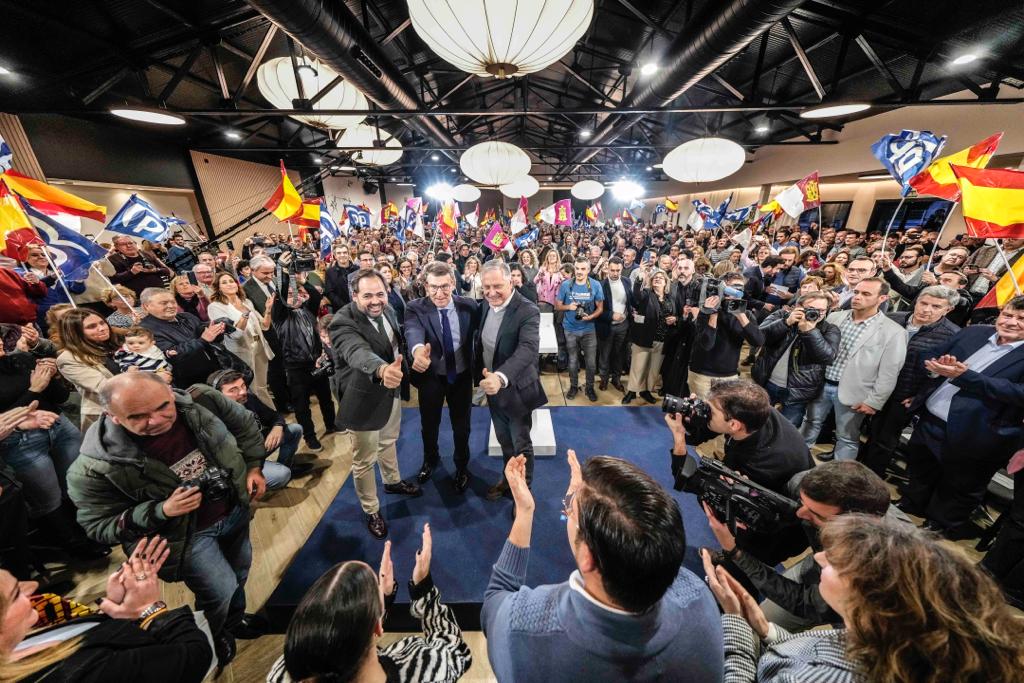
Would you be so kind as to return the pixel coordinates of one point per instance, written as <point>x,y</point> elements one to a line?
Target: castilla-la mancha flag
<point>993,201</point>
<point>938,180</point>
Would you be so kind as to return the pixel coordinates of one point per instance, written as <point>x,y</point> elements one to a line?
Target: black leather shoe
<point>313,444</point>
<point>498,491</point>
<point>618,385</point>
<point>301,469</point>
<point>377,526</point>
<point>591,394</point>
<point>461,480</point>
<point>603,386</point>
<point>628,398</point>
<point>404,488</point>
<point>571,394</point>
<point>646,395</point>
<point>224,648</point>
<point>425,472</point>
<point>253,626</point>
<point>825,457</point>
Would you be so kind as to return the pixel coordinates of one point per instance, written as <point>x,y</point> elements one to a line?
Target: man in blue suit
<point>441,329</point>
<point>972,419</point>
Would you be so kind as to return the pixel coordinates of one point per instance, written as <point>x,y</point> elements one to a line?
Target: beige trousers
<point>376,447</point>
<point>645,367</point>
<point>701,384</point>
<point>259,366</point>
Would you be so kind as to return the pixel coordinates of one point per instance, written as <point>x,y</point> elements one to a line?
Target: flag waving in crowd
<point>329,230</point>
<point>938,180</point>
<point>6,157</point>
<point>138,219</point>
<point>497,241</point>
<point>70,251</point>
<point>907,153</point>
<point>800,196</point>
<point>993,201</point>
<point>285,202</point>
<point>16,230</point>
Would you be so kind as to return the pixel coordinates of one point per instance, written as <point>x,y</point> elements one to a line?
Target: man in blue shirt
<point>630,611</point>
<point>582,299</point>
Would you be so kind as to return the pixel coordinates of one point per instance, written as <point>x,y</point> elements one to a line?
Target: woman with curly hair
<point>914,609</point>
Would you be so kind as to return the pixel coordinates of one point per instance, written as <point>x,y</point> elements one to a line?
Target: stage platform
<point>468,530</point>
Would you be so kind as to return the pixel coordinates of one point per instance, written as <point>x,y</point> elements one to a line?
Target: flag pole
<point>1009,268</point>
<point>938,238</point>
<point>95,266</point>
<point>60,278</point>
<point>885,237</point>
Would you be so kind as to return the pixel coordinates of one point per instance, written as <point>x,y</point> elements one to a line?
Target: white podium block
<point>548,340</point>
<point>542,435</point>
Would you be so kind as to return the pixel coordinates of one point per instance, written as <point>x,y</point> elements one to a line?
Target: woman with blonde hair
<point>228,300</point>
<point>914,610</point>
<point>835,274</point>
<point>721,268</point>
<point>190,298</point>
<point>660,322</point>
<point>470,281</point>
<point>87,358</point>
<point>124,315</point>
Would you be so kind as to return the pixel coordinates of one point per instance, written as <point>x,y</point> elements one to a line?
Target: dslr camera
<point>812,315</point>
<point>302,262</point>
<point>325,369</point>
<point>687,407</point>
<point>731,497</point>
<point>214,483</point>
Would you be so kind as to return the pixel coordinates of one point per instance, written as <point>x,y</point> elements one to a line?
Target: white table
<point>548,341</point>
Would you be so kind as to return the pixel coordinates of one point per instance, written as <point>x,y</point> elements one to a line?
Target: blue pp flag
<point>740,215</point>
<point>329,230</point>
<point>71,252</point>
<point>357,218</point>
<point>6,156</point>
<point>907,153</point>
<point>138,219</point>
<point>525,238</point>
<point>174,220</point>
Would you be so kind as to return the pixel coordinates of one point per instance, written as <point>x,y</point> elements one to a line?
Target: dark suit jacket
<point>529,290</point>
<point>603,324</point>
<point>336,286</point>
<point>753,289</point>
<point>259,301</point>
<point>423,326</point>
<point>986,417</point>
<point>515,355</point>
<point>360,350</point>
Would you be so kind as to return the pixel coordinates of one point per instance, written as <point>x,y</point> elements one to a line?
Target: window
<point>832,213</point>
<point>926,213</point>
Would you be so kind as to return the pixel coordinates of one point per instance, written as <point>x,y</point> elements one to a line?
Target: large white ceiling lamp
<point>704,160</point>
<point>495,163</point>
<point>587,189</point>
<point>527,186</point>
<point>276,81</point>
<point>465,193</point>
<point>366,136</point>
<point>501,38</point>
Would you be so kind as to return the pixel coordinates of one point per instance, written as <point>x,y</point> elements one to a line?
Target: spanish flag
<point>48,199</point>
<point>309,214</point>
<point>938,180</point>
<point>993,201</point>
<point>285,202</point>
<point>446,220</point>
<point>1004,289</point>
<point>671,206</point>
<point>16,232</point>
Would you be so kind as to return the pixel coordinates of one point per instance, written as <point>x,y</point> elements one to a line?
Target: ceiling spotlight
<point>650,168</point>
<point>824,111</point>
<point>233,134</point>
<point>434,157</point>
<point>761,128</point>
<point>145,115</point>
<point>551,177</point>
<point>451,170</point>
<point>317,160</point>
<point>585,133</point>
<point>965,58</point>
<point>442,191</point>
<point>649,68</point>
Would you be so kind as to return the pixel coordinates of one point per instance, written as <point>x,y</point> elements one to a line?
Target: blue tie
<point>449,347</point>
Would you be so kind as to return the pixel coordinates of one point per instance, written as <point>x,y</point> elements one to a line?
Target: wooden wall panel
<point>25,161</point>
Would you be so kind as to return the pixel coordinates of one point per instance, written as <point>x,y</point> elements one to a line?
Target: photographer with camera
<point>721,328</point>
<point>798,344</point>
<point>582,300</point>
<point>307,367</point>
<point>185,465</point>
<point>135,269</point>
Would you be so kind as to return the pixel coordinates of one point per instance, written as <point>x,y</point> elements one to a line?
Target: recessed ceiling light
<point>144,115</point>
<point>829,110</point>
<point>233,134</point>
<point>434,157</point>
<point>451,170</point>
<point>317,160</point>
<point>585,133</point>
<point>965,58</point>
<point>649,68</point>
<point>650,168</point>
<point>761,128</point>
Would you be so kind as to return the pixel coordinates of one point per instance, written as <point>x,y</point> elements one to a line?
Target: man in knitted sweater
<point>630,612</point>
<point>19,296</point>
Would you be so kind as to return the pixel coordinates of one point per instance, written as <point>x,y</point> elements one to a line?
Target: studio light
<point>832,110</point>
<point>440,191</point>
<point>648,68</point>
<point>144,115</point>
<point>965,58</point>
<point>627,190</point>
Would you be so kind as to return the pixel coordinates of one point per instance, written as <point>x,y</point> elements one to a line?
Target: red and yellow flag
<point>938,180</point>
<point>49,199</point>
<point>285,202</point>
<point>16,231</point>
<point>1004,289</point>
<point>446,220</point>
<point>309,213</point>
<point>993,201</point>
<point>671,205</point>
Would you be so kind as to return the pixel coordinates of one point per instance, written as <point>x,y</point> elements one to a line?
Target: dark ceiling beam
<point>440,100</point>
<point>218,68</point>
<point>590,86</point>
<point>801,55</point>
<point>179,74</point>
<point>879,64</point>
<point>254,63</point>
<point>837,73</point>
<point>728,86</point>
<point>106,85</point>
<point>324,91</point>
<point>396,31</point>
<point>651,24</point>
<point>323,149</point>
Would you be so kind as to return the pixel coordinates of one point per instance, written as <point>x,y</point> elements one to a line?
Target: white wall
<point>182,203</point>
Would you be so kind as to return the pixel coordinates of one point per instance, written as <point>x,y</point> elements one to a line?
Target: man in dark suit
<point>368,343</point>
<point>336,279</point>
<point>972,419</point>
<point>613,326</point>
<point>506,350</point>
<point>259,289</point>
<point>758,278</point>
<point>441,330</point>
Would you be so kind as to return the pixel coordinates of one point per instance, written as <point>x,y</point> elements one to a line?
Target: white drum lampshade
<point>276,82</point>
<point>501,38</point>
<point>527,186</point>
<point>366,136</point>
<point>465,193</point>
<point>704,160</point>
<point>587,189</point>
<point>495,163</point>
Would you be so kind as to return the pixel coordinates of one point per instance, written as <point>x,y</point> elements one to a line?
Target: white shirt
<point>618,291</point>
<point>576,583</point>
<point>939,402</point>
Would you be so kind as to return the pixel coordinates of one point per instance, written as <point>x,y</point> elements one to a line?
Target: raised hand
<point>212,331</point>
<point>421,358</point>
<point>387,571</point>
<point>10,419</point>
<point>422,568</point>
<point>391,374</point>
<point>491,383</point>
<point>515,475</point>
<point>575,474</point>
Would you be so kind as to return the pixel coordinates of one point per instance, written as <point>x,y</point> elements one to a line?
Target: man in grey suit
<point>506,350</point>
<point>369,345</point>
<point>872,349</point>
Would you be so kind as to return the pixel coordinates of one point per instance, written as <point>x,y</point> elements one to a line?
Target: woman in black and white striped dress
<point>334,632</point>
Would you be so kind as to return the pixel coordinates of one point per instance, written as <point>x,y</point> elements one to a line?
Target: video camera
<point>731,497</point>
<point>302,262</point>
<point>729,299</point>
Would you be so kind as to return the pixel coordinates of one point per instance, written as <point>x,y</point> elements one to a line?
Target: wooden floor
<point>284,521</point>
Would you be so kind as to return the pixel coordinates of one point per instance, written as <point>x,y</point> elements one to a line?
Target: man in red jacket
<point>19,296</point>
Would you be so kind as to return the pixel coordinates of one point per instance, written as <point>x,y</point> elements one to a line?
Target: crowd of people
<point>144,413</point>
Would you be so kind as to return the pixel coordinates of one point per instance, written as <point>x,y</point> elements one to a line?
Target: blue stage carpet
<point>469,531</point>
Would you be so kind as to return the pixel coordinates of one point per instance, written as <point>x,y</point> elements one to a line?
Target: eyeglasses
<point>438,288</point>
